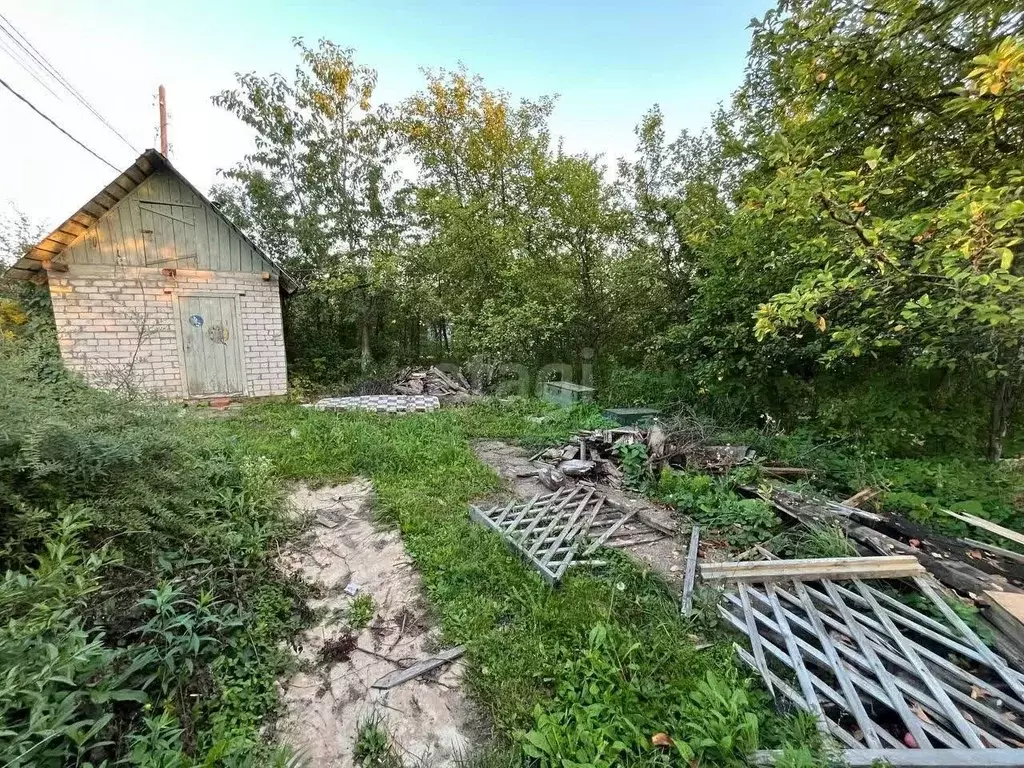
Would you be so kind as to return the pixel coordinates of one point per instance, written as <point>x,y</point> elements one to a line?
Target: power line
<point>26,45</point>
<point>54,124</point>
<point>5,47</point>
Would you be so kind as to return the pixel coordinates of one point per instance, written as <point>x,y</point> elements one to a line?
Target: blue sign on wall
<point>196,320</point>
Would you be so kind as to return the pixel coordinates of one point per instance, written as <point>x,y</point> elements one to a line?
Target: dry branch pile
<point>451,386</point>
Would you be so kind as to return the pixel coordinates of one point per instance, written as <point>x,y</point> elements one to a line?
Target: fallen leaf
<point>914,543</point>
<point>977,693</point>
<point>909,740</point>
<point>662,740</point>
<point>975,554</point>
<point>921,714</point>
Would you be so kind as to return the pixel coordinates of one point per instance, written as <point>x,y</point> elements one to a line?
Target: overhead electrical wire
<point>5,47</point>
<point>14,35</point>
<point>55,125</point>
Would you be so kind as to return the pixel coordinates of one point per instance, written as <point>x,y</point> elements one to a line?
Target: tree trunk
<point>414,339</point>
<point>364,357</point>
<point>1002,409</point>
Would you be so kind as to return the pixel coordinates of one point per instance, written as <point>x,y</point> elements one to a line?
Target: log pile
<point>451,387</point>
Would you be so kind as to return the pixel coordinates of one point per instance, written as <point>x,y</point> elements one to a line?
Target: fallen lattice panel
<point>551,531</point>
<point>879,675</point>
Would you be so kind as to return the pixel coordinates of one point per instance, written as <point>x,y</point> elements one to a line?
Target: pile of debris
<point>451,387</point>
<point>597,454</point>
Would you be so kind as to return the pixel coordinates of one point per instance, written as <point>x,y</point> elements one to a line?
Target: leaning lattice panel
<point>878,674</point>
<point>556,530</point>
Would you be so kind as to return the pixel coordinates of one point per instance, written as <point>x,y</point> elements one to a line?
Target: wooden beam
<point>787,471</point>
<point>992,549</point>
<point>861,497</point>
<point>835,568</point>
<point>987,525</point>
<point>419,668</point>
<point>917,758</point>
<point>691,570</point>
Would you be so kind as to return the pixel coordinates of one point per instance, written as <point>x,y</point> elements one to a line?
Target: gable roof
<point>30,266</point>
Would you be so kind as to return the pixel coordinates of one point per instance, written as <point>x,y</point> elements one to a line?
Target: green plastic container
<point>567,393</point>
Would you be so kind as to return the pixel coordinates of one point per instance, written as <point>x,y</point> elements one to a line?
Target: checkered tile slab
<point>380,403</point>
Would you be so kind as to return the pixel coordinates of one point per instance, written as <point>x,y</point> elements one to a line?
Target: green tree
<point>318,188</point>
<point>888,137</point>
<point>512,236</point>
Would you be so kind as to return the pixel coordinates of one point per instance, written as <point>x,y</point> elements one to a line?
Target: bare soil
<point>665,556</point>
<point>429,719</point>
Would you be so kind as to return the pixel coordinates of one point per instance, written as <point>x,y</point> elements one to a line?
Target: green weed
<point>633,462</point>
<point>713,503</point>
<point>826,540</point>
<point>360,611</point>
<point>373,747</point>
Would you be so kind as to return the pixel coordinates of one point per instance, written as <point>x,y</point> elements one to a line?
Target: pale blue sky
<point>608,62</point>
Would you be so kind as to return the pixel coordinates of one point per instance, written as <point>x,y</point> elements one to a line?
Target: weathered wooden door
<point>212,346</point>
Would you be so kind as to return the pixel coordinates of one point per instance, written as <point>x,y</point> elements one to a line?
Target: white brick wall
<point>117,326</point>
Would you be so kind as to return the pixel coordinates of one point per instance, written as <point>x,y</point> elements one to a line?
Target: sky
<point>608,62</point>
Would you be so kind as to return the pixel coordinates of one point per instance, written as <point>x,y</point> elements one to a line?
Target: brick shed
<point>153,288</point>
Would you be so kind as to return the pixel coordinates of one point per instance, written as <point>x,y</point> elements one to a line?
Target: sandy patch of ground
<point>429,719</point>
<point>665,555</point>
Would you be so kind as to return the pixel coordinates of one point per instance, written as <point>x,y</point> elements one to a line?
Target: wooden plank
<point>610,532</point>
<point>814,569</point>
<point>690,574</point>
<point>867,649</point>
<point>949,709</point>
<point>863,682</point>
<point>419,668</point>
<point>916,758</point>
<point>566,529</point>
<point>993,549</point>
<point>988,525</point>
<point>1009,676</point>
<point>867,727</point>
<point>1010,602</point>
<point>790,693</point>
<point>861,497</point>
<point>753,636</point>
<point>794,654</point>
<point>126,243</point>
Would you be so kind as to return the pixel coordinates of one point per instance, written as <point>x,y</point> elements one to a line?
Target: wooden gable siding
<point>163,224</point>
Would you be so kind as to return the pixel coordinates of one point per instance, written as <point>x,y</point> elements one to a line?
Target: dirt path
<point>429,719</point>
<point>666,556</point>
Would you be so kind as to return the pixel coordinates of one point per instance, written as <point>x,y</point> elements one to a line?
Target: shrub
<point>141,615</point>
